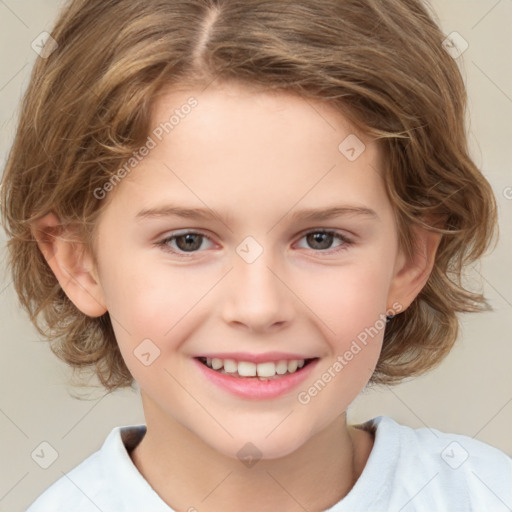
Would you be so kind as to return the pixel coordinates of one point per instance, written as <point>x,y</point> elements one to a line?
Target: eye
<point>188,241</point>
<point>322,239</point>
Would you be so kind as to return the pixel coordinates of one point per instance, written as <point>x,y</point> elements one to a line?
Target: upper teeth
<point>247,369</point>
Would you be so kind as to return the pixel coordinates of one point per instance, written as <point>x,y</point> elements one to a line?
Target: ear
<point>72,265</point>
<point>411,274</point>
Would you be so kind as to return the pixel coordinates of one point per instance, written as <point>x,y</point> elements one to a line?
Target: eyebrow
<point>309,214</point>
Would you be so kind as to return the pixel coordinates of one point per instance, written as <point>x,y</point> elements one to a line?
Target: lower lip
<point>254,388</point>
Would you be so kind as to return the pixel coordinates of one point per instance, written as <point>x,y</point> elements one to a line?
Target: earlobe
<point>71,264</point>
<point>412,274</point>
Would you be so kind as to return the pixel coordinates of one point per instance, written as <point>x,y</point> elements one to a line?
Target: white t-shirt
<point>408,470</point>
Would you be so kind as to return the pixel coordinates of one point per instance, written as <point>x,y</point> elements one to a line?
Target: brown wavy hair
<point>379,62</point>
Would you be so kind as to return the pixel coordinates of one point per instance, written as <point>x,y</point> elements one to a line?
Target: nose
<point>257,296</point>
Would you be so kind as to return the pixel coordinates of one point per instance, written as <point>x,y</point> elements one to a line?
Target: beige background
<point>470,393</point>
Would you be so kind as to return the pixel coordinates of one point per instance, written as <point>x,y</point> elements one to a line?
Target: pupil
<point>316,238</point>
<point>190,245</point>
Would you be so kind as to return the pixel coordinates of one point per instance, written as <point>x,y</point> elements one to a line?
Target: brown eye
<point>321,240</point>
<point>187,242</point>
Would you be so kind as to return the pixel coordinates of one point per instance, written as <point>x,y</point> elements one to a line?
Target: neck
<point>186,472</point>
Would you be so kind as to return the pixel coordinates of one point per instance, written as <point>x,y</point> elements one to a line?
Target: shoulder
<point>75,490</point>
<point>417,468</point>
<point>449,452</point>
<point>95,482</point>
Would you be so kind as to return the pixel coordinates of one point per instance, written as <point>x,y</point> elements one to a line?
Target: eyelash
<point>164,244</point>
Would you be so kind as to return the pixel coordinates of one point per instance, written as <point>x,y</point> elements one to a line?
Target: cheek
<point>154,308</point>
<point>147,298</point>
<point>349,298</point>
<point>350,306</point>
<point>353,323</point>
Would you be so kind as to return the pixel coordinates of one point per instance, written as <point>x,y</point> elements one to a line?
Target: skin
<point>257,157</point>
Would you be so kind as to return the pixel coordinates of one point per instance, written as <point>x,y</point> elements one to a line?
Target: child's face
<point>254,160</point>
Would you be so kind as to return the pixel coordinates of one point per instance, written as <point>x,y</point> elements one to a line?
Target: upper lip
<point>257,358</point>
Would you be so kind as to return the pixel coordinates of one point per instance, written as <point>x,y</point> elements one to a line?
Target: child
<point>316,153</point>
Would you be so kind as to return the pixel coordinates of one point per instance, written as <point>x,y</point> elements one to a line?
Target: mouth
<point>256,371</point>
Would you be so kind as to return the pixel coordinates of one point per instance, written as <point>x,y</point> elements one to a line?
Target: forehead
<point>249,115</point>
<point>243,147</point>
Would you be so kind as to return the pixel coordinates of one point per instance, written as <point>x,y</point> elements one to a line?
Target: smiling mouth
<point>260,371</point>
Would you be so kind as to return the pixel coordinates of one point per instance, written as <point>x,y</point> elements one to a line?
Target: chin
<point>249,449</point>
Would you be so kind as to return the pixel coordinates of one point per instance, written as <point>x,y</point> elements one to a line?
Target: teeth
<point>281,367</point>
<point>247,369</point>
<point>266,369</point>
<point>216,363</point>
<point>230,366</point>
